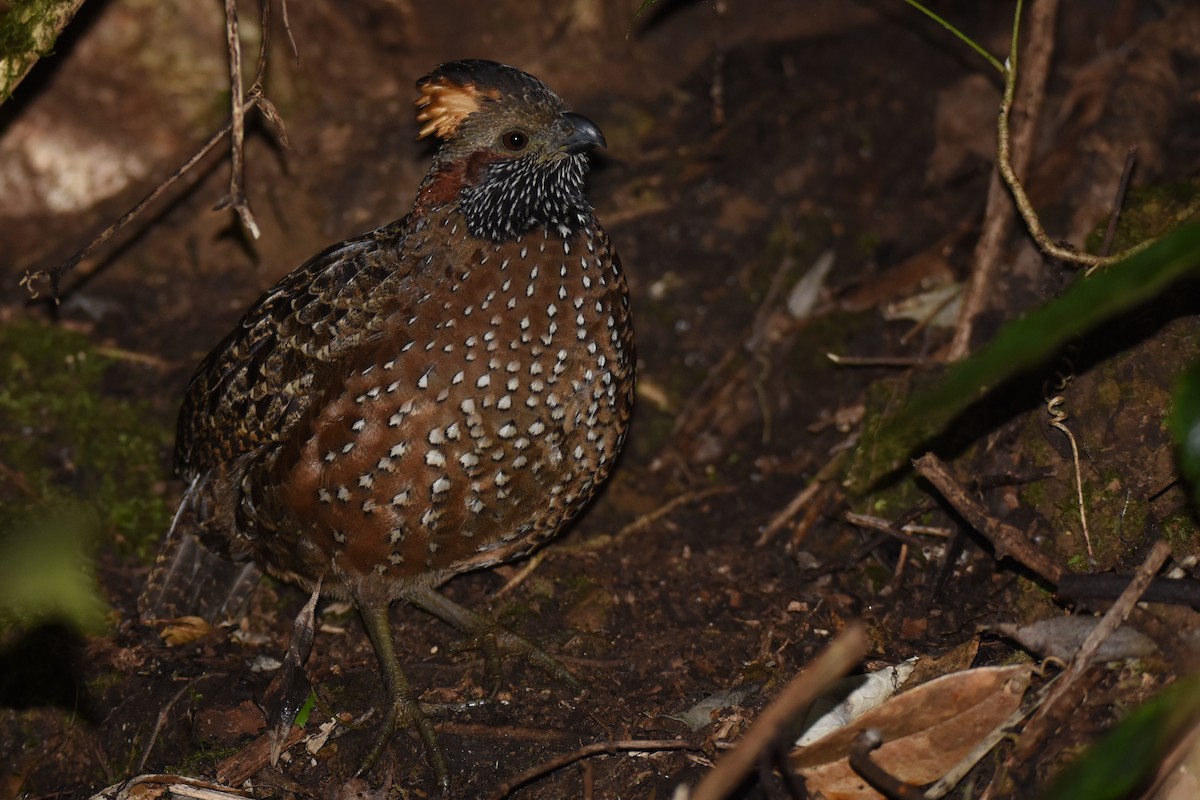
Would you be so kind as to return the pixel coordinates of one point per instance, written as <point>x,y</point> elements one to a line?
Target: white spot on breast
<point>483,381</point>
<point>440,485</point>
<point>435,458</point>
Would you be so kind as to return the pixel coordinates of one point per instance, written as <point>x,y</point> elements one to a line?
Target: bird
<point>441,394</point>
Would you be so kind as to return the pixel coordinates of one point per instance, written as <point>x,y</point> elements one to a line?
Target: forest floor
<point>784,182</point>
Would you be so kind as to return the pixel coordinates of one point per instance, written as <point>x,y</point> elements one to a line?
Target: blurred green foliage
<point>76,464</point>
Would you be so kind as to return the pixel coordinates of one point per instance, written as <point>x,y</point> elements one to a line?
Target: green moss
<point>1148,211</point>
<point>18,25</point>
<point>66,443</point>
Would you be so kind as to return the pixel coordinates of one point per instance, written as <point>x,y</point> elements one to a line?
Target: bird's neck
<point>502,201</point>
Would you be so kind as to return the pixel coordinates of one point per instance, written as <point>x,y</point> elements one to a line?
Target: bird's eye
<point>514,140</point>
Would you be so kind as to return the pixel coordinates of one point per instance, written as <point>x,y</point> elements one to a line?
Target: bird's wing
<point>255,385</point>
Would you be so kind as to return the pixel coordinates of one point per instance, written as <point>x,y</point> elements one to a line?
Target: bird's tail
<point>189,578</point>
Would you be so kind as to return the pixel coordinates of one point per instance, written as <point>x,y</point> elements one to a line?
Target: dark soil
<point>744,143</point>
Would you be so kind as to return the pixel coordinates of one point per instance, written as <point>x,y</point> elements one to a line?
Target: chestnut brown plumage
<point>438,395</point>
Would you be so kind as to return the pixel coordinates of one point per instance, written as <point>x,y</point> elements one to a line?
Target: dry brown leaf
<point>184,630</point>
<point>1061,638</point>
<point>926,732</point>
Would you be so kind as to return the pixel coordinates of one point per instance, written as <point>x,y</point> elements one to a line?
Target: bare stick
<point>237,195</point>
<point>793,508</point>
<point>1007,540</point>
<point>252,99</point>
<point>601,541</point>
<point>1119,200</point>
<point>999,213</point>
<point>898,362</point>
<point>599,748</point>
<point>879,778</point>
<point>1045,721</point>
<point>55,275</point>
<point>838,658</point>
<point>1068,255</point>
<point>165,710</point>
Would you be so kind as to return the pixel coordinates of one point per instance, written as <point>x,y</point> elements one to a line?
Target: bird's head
<point>511,156</point>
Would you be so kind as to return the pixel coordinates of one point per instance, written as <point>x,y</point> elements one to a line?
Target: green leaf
<point>1124,760</point>
<point>302,715</point>
<point>645,4</point>
<point>1185,426</point>
<point>1033,339</point>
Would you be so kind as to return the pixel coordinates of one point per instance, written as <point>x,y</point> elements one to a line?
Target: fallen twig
<point>162,714</point>
<point>837,659</point>
<point>1005,539</point>
<point>1045,721</point>
<point>605,540</point>
<point>999,213</point>
<point>599,748</point>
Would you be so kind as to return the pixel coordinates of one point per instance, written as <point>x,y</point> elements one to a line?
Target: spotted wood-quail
<point>438,395</point>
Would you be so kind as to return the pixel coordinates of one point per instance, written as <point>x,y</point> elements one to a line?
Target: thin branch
<point>999,210</point>
<point>837,659</point>
<point>254,98</point>
<point>880,779</point>
<point>1072,681</point>
<point>1006,540</point>
<point>55,275</point>
<point>236,199</point>
<point>1119,201</point>
<point>598,749</point>
<point>604,540</point>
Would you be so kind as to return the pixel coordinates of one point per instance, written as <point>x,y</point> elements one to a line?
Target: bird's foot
<point>405,712</point>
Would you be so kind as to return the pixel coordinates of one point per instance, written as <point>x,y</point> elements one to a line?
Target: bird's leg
<point>403,709</point>
<point>490,636</point>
